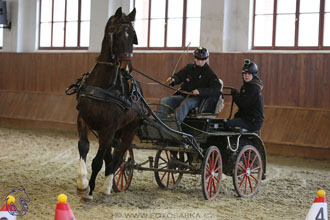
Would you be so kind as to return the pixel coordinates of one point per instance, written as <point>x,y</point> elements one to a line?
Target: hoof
<point>87,198</point>
<point>82,192</point>
<point>105,198</point>
<point>82,183</point>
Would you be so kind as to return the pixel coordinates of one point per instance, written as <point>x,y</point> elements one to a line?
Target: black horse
<point>105,103</point>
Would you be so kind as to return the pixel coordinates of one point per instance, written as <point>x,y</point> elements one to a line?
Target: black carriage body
<point>207,132</point>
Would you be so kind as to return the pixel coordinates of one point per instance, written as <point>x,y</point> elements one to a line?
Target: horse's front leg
<point>82,181</point>
<point>83,147</point>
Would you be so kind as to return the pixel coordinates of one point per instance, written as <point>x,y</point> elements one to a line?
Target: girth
<point>104,95</point>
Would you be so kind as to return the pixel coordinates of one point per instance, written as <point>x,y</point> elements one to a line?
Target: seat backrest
<point>212,105</point>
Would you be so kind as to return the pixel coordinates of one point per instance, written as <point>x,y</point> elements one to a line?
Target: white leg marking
<point>108,184</point>
<point>82,181</point>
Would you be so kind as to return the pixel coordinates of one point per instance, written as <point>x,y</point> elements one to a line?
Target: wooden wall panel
<point>301,80</point>
<point>296,89</point>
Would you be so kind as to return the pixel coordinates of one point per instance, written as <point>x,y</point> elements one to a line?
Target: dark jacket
<point>250,103</point>
<point>196,77</point>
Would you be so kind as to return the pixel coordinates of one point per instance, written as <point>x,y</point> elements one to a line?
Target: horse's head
<point>119,37</point>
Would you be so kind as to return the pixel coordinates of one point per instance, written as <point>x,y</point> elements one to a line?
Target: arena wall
<point>296,92</point>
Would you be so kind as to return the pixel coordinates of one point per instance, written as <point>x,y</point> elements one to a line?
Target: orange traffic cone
<point>63,210</point>
<point>319,209</point>
<point>8,209</point>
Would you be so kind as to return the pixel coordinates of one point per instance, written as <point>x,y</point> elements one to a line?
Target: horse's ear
<point>131,16</point>
<point>118,13</point>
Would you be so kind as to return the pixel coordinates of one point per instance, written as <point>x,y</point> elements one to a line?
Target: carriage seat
<point>210,106</point>
<point>243,130</point>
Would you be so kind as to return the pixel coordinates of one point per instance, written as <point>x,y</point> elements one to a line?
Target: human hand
<point>195,92</point>
<point>233,91</point>
<point>170,80</point>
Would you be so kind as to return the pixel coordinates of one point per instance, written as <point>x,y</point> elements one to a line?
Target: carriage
<point>201,145</point>
<point>111,104</point>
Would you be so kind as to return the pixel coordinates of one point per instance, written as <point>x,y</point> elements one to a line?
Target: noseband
<point>125,56</point>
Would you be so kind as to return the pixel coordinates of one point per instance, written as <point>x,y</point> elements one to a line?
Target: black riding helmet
<point>249,67</point>
<point>201,53</point>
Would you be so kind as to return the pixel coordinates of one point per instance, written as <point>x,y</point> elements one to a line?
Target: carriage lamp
<point>3,15</point>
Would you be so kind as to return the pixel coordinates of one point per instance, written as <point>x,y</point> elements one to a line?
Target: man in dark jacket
<point>250,103</point>
<point>197,78</point>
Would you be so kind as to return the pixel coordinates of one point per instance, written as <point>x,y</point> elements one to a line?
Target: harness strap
<point>100,94</point>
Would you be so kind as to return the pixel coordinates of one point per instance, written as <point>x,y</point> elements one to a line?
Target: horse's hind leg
<point>83,147</point>
<point>108,178</point>
<point>126,138</point>
<point>104,147</point>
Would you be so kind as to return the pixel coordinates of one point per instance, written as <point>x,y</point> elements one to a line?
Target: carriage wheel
<point>166,179</point>
<point>248,172</point>
<point>211,173</point>
<point>123,176</point>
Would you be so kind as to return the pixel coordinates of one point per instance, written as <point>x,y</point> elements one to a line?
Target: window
<point>291,24</point>
<point>170,24</point>
<point>64,24</point>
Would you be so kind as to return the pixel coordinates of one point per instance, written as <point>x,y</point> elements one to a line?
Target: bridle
<point>122,56</point>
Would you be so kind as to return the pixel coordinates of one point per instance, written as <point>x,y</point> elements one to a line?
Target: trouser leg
<point>236,122</point>
<point>171,101</point>
<point>186,106</point>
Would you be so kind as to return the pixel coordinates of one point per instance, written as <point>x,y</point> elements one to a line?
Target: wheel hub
<point>213,173</point>
<point>248,172</point>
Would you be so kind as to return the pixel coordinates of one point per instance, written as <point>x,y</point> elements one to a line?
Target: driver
<point>250,103</point>
<point>197,78</point>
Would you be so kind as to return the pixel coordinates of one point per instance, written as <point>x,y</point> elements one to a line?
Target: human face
<point>200,63</point>
<point>247,77</point>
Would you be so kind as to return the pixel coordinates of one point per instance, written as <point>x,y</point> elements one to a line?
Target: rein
<point>160,83</point>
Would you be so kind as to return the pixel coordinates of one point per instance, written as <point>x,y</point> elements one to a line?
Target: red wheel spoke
<point>163,167</point>
<point>208,169</point>
<point>217,169</point>
<point>118,171</point>
<point>173,179</point>
<point>210,188</point>
<point>240,174</point>
<point>208,184</point>
<point>214,187</point>
<point>254,159</point>
<point>255,178</point>
<point>240,166</point>
<point>125,176</point>
<point>120,174</point>
<point>122,181</point>
<point>251,188</point>
<point>245,184</point>
<point>240,185</point>
<point>244,159</point>
<point>163,176</point>
<point>256,168</point>
<point>248,165</point>
<point>217,179</point>
<point>160,157</point>
<point>168,179</point>
<point>210,163</point>
<point>208,177</point>
<point>216,160</point>
<point>167,156</point>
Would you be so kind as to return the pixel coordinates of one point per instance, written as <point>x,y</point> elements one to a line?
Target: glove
<point>234,92</point>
